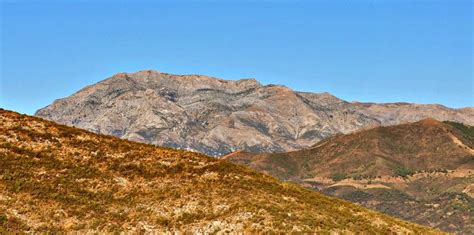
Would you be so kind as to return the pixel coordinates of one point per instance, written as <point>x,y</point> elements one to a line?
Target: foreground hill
<point>423,172</point>
<point>216,116</point>
<point>58,178</point>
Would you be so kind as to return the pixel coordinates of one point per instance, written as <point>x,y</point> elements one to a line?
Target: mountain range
<point>411,161</point>
<point>60,179</point>
<point>422,172</point>
<point>217,117</point>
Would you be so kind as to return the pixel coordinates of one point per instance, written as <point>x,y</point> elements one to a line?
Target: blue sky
<point>379,51</point>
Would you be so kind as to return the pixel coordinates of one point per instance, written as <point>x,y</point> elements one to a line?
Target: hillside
<point>216,116</point>
<point>422,172</point>
<point>57,178</point>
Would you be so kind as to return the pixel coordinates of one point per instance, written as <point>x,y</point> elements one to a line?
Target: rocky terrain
<point>216,116</point>
<point>422,172</point>
<point>58,179</point>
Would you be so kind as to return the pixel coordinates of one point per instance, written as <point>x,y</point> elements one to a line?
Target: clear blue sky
<point>367,50</point>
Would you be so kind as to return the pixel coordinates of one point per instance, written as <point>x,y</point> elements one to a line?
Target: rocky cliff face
<point>216,116</point>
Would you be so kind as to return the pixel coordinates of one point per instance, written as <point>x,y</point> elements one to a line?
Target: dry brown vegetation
<point>55,178</point>
<point>422,172</point>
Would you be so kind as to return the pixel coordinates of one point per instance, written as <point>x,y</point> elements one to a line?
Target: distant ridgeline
<point>217,117</point>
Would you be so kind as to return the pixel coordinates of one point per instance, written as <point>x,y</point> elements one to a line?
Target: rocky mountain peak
<point>218,116</point>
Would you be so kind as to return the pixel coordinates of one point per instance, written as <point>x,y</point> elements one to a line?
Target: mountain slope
<point>216,116</point>
<point>397,113</point>
<point>423,171</point>
<point>57,178</point>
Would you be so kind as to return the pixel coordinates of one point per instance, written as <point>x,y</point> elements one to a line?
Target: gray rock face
<point>216,116</point>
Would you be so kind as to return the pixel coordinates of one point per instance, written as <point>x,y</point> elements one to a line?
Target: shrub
<point>100,154</point>
<point>338,177</point>
<point>3,219</point>
<point>403,171</point>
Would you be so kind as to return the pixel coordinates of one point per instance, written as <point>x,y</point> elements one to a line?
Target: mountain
<point>422,172</point>
<point>216,116</point>
<point>55,178</point>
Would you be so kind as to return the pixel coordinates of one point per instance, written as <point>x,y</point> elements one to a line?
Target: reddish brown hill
<point>421,146</point>
<point>393,169</point>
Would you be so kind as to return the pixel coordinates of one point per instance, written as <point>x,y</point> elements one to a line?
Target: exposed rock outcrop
<point>216,116</point>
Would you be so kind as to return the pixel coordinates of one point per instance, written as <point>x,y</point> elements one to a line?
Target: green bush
<point>404,172</point>
<point>338,177</point>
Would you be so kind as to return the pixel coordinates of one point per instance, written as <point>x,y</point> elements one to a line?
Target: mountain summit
<point>216,116</point>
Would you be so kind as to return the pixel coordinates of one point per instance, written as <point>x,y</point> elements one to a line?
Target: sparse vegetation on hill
<point>468,131</point>
<point>55,178</point>
<point>410,171</point>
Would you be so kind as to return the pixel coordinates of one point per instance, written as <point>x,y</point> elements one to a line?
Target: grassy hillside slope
<point>57,178</point>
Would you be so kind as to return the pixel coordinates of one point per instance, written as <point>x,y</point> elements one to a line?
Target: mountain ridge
<point>217,116</point>
<point>401,170</point>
